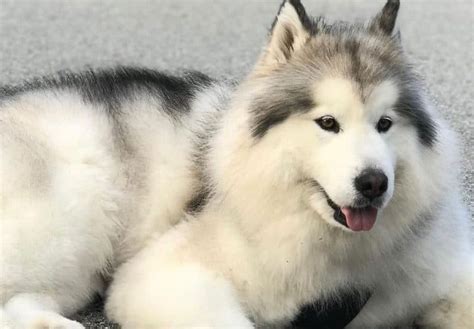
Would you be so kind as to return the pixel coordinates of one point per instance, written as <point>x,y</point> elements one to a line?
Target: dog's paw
<point>51,321</point>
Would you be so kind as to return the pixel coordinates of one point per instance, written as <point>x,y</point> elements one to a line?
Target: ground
<point>223,38</point>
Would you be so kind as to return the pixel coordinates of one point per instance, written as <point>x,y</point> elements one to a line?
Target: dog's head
<point>336,106</point>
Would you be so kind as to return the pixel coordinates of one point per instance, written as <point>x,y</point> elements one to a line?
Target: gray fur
<point>111,87</point>
<point>385,21</point>
<point>354,51</point>
<point>256,211</point>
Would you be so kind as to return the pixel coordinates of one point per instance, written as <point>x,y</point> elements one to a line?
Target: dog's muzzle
<point>362,214</point>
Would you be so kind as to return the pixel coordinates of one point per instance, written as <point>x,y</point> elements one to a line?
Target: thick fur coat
<point>325,176</point>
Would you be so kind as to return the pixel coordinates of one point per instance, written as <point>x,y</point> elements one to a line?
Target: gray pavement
<point>223,38</point>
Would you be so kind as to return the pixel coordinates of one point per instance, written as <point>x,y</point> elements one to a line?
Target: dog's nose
<point>371,183</point>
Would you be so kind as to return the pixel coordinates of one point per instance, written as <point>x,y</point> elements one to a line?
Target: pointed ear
<point>384,22</point>
<point>290,31</point>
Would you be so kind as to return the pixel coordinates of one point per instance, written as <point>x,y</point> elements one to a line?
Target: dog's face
<point>341,105</point>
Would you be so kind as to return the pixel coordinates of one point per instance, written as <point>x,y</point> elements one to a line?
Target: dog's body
<point>91,156</point>
<point>329,134</point>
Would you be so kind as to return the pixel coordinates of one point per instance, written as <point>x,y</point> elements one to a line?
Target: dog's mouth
<point>354,218</point>
<point>357,218</point>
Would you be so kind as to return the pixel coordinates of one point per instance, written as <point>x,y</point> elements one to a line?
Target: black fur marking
<point>111,87</point>
<point>275,108</point>
<point>287,37</point>
<point>199,201</point>
<point>334,313</point>
<point>203,192</point>
<point>300,10</point>
<point>385,21</point>
<point>411,107</point>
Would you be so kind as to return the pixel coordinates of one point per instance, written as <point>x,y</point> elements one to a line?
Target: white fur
<point>35,311</point>
<point>202,299</point>
<point>263,232</point>
<point>359,147</point>
<point>74,202</point>
<point>58,210</point>
<point>76,207</point>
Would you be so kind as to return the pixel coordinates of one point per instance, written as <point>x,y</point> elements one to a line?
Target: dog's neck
<point>267,207</point>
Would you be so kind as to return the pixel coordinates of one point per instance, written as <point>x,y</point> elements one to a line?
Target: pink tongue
<point>360,219</point>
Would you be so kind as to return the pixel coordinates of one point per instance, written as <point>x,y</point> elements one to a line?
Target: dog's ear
<point>290,31</point>
<point>385,21</point>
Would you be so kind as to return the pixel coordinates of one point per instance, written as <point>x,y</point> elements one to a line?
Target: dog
<point>325,176</point>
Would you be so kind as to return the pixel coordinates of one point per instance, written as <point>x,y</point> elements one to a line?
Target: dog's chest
<point>311,282</point>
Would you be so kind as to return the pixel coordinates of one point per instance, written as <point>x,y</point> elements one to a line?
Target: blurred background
<point>223,39</point>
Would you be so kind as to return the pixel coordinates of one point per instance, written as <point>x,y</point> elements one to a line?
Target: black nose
<point>371,183</point>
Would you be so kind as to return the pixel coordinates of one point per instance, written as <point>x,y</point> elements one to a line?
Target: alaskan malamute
<point>325,176</point>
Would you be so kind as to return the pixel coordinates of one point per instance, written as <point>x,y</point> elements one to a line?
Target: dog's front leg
<point>153,292</point>
<point>393,306</point>
<point>455,310</point>
<point>432,304</point>
<point>35,311</point>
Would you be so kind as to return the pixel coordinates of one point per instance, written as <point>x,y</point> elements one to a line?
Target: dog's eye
<point>384,124</point>
<point>328,123</point>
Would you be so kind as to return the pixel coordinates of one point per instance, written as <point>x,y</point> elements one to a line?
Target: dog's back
<point>92,164</point>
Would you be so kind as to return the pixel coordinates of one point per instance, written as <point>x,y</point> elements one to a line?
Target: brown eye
<point>384,124</point>
<point>328,123</point>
